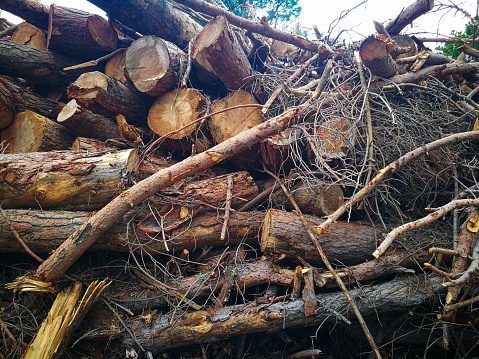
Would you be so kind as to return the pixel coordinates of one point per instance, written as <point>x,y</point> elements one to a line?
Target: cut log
<point>154,65</point>
<point>375,54</point>
<point>277,150</point>
<point>85,123</point>
<point>62,179</point>
<point>115,67</point>
<point>343,242</point>
<point>44,230</point>
<point>78,33</point>
<point>320,199</point>
<point>33,11</point>
<point>208,326</point>
<point>30,35</point>
<point>408,15</point>
<point>219,47</point>
<point>109,97</point>
<point>284,51</point>
<point>175,110</point>
<point>39,66</point>
<point>152,17</point>
<point>31,132</point>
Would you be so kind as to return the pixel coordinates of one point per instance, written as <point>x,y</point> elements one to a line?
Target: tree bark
<point>80,34</point>
<point>30,35</point>
<point>219,47</point>
<point>408,15</point>
<point>84,123</point>
<point>52,268</point>
<point>41,67</point>
<point>152,18</point>
<point>375,54</point>
<point>15,98</point>
<point>32,11</point>
<point>343,242</point>
<point>31,132</point>
<point>154,65</point>
<point>109,97</point>
<point>277,150</point>
<point>63,179</point>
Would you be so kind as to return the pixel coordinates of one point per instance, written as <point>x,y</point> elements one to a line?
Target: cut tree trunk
<point>220,48</point>
<point>41,67</point>
<point>32,11</point>
<point>152,17</point>
<point>45,230</point>
<point>115,67</point>
<point>343,242</point>
<point>222,323</point>
<point>109,97</point>
<point>83,122</point>
<point>63,179</point>
<point>31,132</point>
<point>408,15</point>
<point>154,65</point>
<point>375,54</point>
<point>14,99</point>
<point>80,34</point>
<point>30,35</point>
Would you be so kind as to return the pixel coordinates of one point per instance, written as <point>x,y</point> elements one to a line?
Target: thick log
<point>15,98</point>
<point>39,66</point>
<point>154,65</point>
<point>151,17</point>
<point>220,48</point>
<point>31,132</point>
<point>78,33</point>
<point>30,35</point>
<point>45,230</point>
<point>375,54</point>
<point>176,109</point>
<point>343,242</point>
<point>109,97</point>
<point>63,179</point>
<point>115,67</point>
<point>33,11</point>
<point>408,15</point>
<point>165,333</point>
<point>84,123</point>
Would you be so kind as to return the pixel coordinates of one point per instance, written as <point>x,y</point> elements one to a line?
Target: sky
<point>359,21</point>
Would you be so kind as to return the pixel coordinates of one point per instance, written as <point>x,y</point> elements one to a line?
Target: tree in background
<point>279,12</point>
<point>451,49</point>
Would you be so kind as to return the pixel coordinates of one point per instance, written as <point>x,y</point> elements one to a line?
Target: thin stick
<point>393,168</point>
<point>438,213</point>
<point>94,62</point>
<point>188,66</point>
<point>259,198</point>
<point>226,217</point>
<point>328,265</point>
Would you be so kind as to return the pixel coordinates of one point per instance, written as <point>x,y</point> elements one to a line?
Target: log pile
<point>214,206</point>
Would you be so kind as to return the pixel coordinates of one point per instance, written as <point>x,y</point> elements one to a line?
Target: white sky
<point>322,13</point>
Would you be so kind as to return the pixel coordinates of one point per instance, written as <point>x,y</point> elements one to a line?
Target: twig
<point>472,268</point>
<point>275,94</point>
<point>462,304</point>
<point>393,168</point>
<point>328,265</point>
<point>437,270</point>
<point>226,217</point>
<point>188,66</point>
<point>259,198</point>
<point>438,213</point>
<point>94,62</point>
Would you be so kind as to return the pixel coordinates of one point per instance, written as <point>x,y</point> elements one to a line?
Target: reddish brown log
<point>31,132</point>
<point>30,35</point>
<point>221,50</point>
<point>109,97</point>
<point>39,66</point>
<point>63,179</point>
<point>408,15</point>
<point>83,122</point>
<point>32,11</point>
<point>154,65</point>
<point>80,34</point>
<point>375,54</point>
<point>343,242</point>
<point>14,99</point>
<point>276,150</point>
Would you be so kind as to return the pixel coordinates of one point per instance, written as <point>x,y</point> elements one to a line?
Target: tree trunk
<point>152,18</point>
<point>109,97</point>
<point>154,65</point>
<point>220,48</point>
<point>408,15</point>
<point>41,67</point>
<point>32,11</point>
<point>31,132</point>
<point>277,150</point>
<point>85,123</point>
<point>375,54</point>
<point>30,35</point>
<point>63,179</point>
<point>14,99</point>
<point>343,242</point>
<point>80,34</point>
